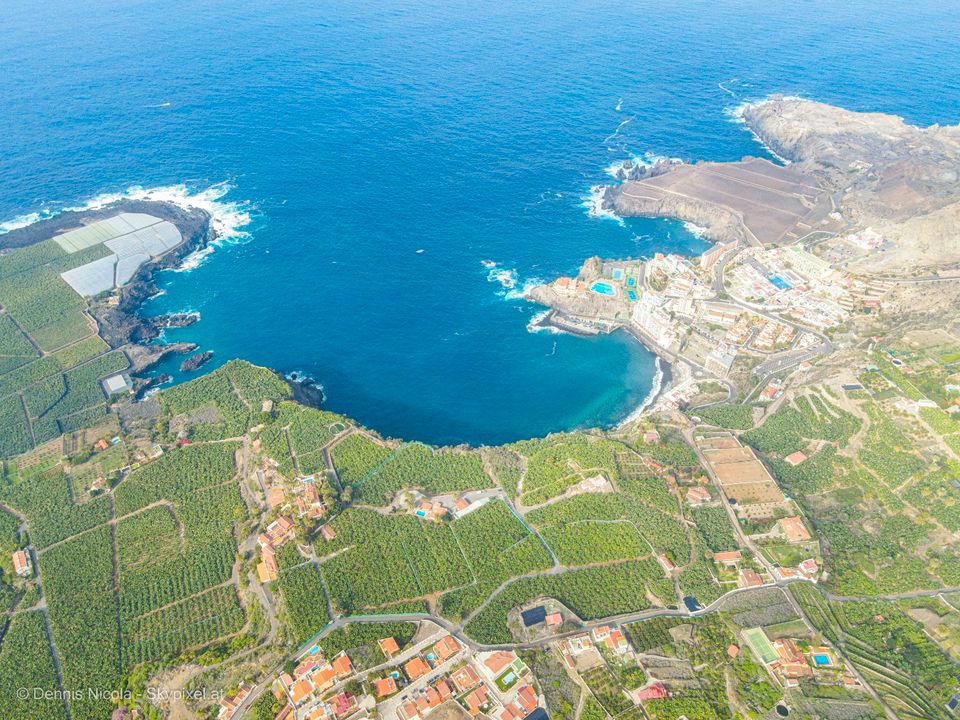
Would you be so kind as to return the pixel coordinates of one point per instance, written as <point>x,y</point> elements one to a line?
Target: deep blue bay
<point>382,152</point>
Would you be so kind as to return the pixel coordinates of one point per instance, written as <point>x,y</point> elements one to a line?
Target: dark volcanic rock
<point>195,361</point>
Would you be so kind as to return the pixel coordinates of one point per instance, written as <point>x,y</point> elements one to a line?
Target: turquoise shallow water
<point>384,152</point>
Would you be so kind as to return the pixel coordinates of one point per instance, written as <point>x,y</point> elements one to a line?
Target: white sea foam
<point>505,277</point>
<point>619,105</point>
<point>534,326</point>
<point>615,133</point>
<point>594,205</point>
<point>694,229</point>
<point>22,221</point>
<point>655,387</point>
<point>228,219</point>
<point>520,291</point>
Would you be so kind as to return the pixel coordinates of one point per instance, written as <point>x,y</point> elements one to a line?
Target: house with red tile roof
<point>328,532</point>
<point>498,661</point>
<point>554,619</point>
<point>267,567</point>
<point>445,649</point>
<point>795,458</point>
<point>389,646</point>
<point>385,686</point>
<point>656,691</point>
<point>698,495</point>
<point>477,700</point>
<point>465,678</point>
<point>416,668</point>
<point>275,497</point>
<point>229,706</point>
<point>749,578</point>
<point>728,559</point>
<point>342,666</point>
<point>21,564</point>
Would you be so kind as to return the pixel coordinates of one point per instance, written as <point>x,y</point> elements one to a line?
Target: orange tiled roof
<point>416,668</point>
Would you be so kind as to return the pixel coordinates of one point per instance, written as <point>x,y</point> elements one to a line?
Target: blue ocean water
<point>383,150</point>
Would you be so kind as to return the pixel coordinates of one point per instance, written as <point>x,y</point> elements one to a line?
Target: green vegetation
<point>911,673</point>
<point>304,600</point>
<point>555,463</point>
<point>225,402</point>
<point>714,527</point>
<point>78,582</point>
<point>590,593</point>
<point>590,541</point>
<point>416,465</point>
<point>308,431</point>
<point>25,662</point>
<point>734,417</point>
<point>663,532</point>
<point>356,456</point>
<point>15,348</point>
<point>44,306</point>
<point>386,558</point>
<point>791,428</point>
<point>497,546</point>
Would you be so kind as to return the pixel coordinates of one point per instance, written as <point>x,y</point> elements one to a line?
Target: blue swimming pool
<point>631,281</point>
<point>617,273</point>
<point>602,288</point>
<point>821,660</point>
<point>632,295</point>
<point>780,283</point>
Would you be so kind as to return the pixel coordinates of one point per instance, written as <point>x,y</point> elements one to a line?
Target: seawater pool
<point>602,288</point>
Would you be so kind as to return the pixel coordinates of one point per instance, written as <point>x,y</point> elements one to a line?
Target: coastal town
<point>775,536</point>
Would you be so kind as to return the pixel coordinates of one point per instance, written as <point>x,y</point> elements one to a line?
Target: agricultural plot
<point>191,623</point>
<point>304,601</point>
<point>78,583</point>
<point>664,532</point>
<point>507,467</point>
<point>15,348</point>
<point>555,463</point>
<point>386,558</point>
<point>714,526</point>
<point>48,503</point>
<point>15,437</point>
<point>606,689</point>
<point>53,401</point>
<point>792,427</point>
<point>732,417</point>
<point>648,635</point>
<point>909,671</point>
<point>497,547</point>
<point>357,456</point>
<point>25,662</point>
<point>44,307</point>
<point>590,593</point>
<point>590,541</point>
<point>225,402</point>
<point>309,430</point>
<point>419,466</point>
<point>188,502</point>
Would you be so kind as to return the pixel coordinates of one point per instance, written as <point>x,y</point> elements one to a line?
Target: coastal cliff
<point>847,171</point>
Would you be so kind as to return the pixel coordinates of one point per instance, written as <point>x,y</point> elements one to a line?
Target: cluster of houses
<point>229,707</point>
<point>413,684</point>
<point>277,533</point>
<point>308,688</point>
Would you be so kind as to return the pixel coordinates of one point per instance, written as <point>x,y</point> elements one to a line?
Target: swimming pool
<point>617,273</point>
<point>602,288</point>
<point>631,281</point>
<point>821,660</point>
<point>632,295</point>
